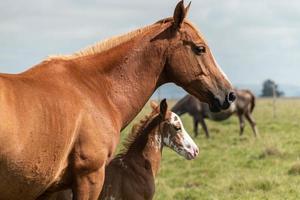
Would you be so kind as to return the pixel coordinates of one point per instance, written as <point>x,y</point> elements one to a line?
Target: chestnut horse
<point>131,174</point>
<point>242,107</point>
<point>60,121</point>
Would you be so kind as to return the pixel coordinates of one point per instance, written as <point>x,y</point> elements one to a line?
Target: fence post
<point>274,100</point>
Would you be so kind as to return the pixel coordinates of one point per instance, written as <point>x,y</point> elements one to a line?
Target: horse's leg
<point>88,160</point>
<point>196,126</point>
<point>88,186</point>
<point>61,195</point>
<point>203,124</point>
<point>242,123</point>
<point>252,123</point>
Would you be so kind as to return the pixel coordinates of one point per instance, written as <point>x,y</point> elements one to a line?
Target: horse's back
<point>245,101</point>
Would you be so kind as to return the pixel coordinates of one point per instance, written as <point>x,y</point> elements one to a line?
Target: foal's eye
<point>177,128</point>
<point>200,50</point>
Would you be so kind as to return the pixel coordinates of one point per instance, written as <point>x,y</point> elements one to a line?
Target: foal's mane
<point>138,138</point>
<point>112,42</point>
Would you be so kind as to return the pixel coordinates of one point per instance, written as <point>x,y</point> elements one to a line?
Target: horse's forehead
<point>175,119</point>
<point>194,33</point>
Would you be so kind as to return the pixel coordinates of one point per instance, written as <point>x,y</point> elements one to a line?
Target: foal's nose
<point>193,150</point>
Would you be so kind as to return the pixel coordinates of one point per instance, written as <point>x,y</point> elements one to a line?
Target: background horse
<point>242,107</point>
<point>60,121</point>
<point>131,174</point>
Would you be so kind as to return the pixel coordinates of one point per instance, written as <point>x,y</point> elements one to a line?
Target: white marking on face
<point>187,147</point>
<point>218,66</point>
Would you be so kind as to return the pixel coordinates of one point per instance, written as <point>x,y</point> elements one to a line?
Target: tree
<point>268,87</point>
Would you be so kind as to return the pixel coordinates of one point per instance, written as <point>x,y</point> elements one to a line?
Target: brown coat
<point>60,121</point>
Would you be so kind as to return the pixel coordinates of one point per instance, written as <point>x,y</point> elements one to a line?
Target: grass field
<point>233,167</point>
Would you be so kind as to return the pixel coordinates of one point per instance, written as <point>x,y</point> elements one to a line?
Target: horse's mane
<point>138,138</point>
<point>112,42</point>
<point>107,44</point>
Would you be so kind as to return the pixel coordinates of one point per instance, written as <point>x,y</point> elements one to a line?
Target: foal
<point>131,174</point>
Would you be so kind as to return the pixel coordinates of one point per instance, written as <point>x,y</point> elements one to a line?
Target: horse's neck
<point>126,76</point>
<point>153,150</point>
<point>180,107</point>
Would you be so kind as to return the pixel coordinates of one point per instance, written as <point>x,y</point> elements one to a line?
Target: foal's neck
<point>153,150</point>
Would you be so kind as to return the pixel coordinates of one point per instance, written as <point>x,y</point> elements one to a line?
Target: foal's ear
<point>154,105</point>
<point>180,13</point>
<point>163,107</point>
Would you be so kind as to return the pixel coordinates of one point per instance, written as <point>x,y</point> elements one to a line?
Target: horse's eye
<point>200,50</point>
<point>177,128</point>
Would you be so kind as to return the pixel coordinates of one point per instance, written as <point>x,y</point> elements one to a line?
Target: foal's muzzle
<point>192,153</point>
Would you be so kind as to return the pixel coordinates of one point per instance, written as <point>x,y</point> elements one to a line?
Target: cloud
<point>252,39</point>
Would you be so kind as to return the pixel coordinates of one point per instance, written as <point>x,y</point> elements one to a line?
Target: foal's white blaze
<point>186,146</point>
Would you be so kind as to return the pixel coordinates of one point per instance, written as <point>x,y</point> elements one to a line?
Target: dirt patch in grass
<point>295,169</point>
<point>192,185</point>
<point>271,151</point>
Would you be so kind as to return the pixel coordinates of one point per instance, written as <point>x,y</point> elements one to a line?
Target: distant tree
<point>268,87</point>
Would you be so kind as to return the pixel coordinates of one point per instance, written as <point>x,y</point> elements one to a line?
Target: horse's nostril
<point>216,102</point>
<point>231,97</point>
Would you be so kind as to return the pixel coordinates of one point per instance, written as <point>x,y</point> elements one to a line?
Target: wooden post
<point>274,101</point>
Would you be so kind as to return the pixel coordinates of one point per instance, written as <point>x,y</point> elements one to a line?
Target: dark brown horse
<point>130,175</point>
<point>60,121</point>
<point>242,107</point>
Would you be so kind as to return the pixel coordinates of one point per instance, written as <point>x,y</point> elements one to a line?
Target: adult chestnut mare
<point>60,121</point>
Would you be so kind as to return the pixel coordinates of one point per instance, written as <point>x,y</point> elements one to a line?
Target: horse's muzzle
<point>217,106</point>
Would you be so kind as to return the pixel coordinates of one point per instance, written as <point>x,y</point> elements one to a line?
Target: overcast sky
<point>252,39</point>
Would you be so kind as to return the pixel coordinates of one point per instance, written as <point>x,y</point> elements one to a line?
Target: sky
<point>252,40</point>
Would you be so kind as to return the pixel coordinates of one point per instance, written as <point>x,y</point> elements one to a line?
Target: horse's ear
<point>154,105</point>
<point>180,13</point>
<point>163,107</point>
<point>187,8</point>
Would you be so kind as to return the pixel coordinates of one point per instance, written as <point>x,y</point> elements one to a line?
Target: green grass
<point>233,167</point>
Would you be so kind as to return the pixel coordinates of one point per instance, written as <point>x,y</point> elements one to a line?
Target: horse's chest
<point>22,180</point>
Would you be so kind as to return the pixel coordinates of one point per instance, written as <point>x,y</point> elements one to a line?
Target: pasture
<point>233,167</point>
